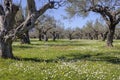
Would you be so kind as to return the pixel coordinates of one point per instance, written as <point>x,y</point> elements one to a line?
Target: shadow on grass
<point>75,57</point>
<point>60,43</point>
<point>114,60</point>
<point>36,60</point>
<point>89,57</point>
<point>22,46</point>
<point>49,44</point>
<point>63,44</point>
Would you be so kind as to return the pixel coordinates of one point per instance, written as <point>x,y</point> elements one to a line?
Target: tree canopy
<point>108,9</point>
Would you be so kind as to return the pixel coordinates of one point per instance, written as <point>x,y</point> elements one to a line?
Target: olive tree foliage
<point>78,34</point>
<point>8,11</point>
<point>99,30</point>
<point>88,31</point>
<point>45,24</point>
<point>59,31</point>
<point>55,29</point>
<point>70,33</point>
<point>48,27</point>
<point>20,17</point>
<point>108,9</point>
<point>117,32</point>
<point>91,31</point>
<point>54,33</point>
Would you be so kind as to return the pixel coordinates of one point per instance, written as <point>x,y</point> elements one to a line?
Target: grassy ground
<point>63,60</point>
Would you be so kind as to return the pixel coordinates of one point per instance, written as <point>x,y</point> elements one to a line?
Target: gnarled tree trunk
<point>6,49</point>
<point>110,36</point>
<point>104,36</point>
<point>25,38</point>
<point>7,22</point>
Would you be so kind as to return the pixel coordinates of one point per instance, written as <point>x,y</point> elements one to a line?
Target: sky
<point>75,21</point>
<point>60,13</point>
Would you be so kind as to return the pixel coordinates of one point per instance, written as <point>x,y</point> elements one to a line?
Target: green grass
<point>62,60</point>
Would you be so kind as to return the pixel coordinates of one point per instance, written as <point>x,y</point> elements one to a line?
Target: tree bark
<point>45,37</point>
<point>104,36</point>
<point>6,49</point>
<point>7,22</point>
<point>54,36</point>
<point>110,36</point>
<point>25,38</point>
<point>40,35</point>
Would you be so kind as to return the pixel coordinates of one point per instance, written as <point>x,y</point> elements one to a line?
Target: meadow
<point>62,60</point>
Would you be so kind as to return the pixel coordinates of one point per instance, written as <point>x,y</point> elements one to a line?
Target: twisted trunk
<point>25,38</point>
<point>7,21</point>
<point>104,36</point>
<point>6,49</point>
<point>110,36</point>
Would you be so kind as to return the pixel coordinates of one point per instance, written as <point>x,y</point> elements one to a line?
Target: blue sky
<point>75,21</point>
<point>59,14</point>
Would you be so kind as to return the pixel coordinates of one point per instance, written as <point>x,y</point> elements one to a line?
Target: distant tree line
<point>49,28</point>
<point>109,10</point>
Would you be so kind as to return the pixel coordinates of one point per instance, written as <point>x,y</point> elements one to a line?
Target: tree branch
<point>117,21</point>
<point>44,8</point>
<point>117,13</point>
<point>2,10</point>
<point>48,29</point>
<point>31,7</point>
<point>32,17</point>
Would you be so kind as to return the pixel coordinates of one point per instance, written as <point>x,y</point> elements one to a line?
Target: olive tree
<point>69,33</point>
<point>20,17</point>
<point>78,33</point>
<point>108,9</point>
<point>46,23</point>
<point>8,33</point>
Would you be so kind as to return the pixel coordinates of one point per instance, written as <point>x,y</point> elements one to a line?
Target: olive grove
<point>108,9</point>
<point>8,11</point>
